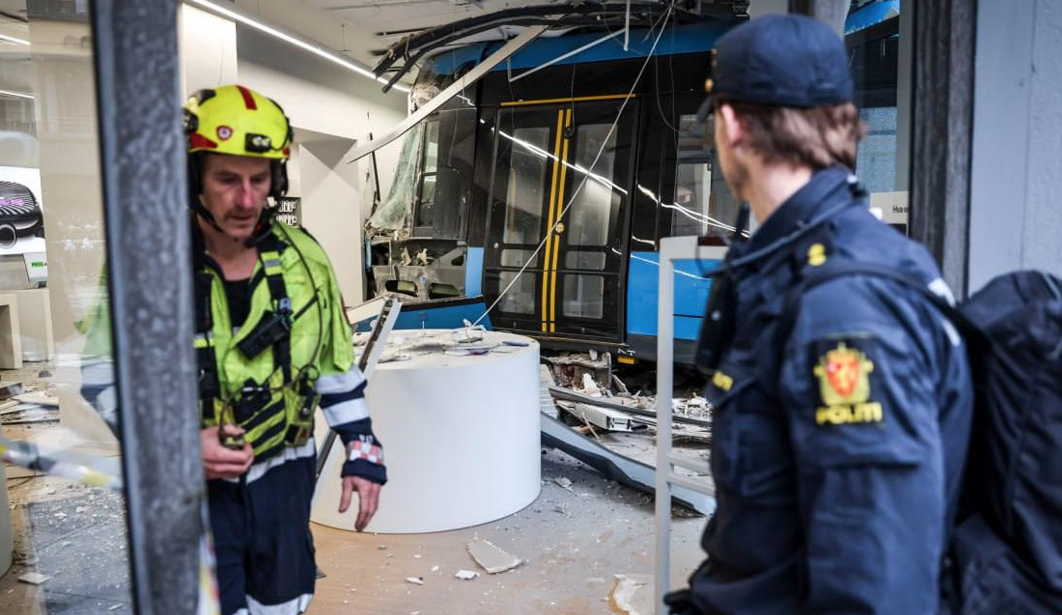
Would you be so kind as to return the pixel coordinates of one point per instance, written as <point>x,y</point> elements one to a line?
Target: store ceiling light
<point>16,94</point>
<point>12,39</point>
<point>318,50</point>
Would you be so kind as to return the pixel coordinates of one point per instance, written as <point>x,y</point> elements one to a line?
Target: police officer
<point>273,343</point>
<point>841,410</point>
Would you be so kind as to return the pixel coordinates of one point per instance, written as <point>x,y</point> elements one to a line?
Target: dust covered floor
<point>72,534</point>
<point>573,542</point>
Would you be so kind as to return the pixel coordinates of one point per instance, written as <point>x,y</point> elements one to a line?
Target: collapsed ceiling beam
<point>410,44</point>
<point>455,88</point>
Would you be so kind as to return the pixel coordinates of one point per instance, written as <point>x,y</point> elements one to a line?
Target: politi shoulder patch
<point>843,374</point>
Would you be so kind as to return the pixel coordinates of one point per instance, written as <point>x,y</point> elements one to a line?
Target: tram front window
<point>693,182</point>
<point>526,194</point>
<point>429,168</point>
<point>592,210</point>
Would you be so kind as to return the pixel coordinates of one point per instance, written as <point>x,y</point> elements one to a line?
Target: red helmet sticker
<point>224,132</point>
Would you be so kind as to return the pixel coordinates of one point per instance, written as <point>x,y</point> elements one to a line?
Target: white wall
<point>338,108</point>
<point>320,96</point>
<point>329,190</point>
<point>331,109</point>
<point>1015,216</point>
<point>207,46</point>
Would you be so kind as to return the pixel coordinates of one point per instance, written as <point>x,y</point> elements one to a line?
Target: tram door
<point>556,210</point>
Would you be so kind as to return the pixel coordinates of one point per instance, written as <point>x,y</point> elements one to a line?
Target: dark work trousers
<point>262,539</point>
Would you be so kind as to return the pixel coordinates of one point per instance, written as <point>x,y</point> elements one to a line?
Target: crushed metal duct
<point>622,469</point>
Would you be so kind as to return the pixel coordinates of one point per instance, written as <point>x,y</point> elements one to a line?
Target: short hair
<point>818,137</point>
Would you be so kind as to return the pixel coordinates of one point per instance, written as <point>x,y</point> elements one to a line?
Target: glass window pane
<point>584,296</point>
<point>521,297</point>
<point>873,40</point>
<point>582,259</point>
<point>525,198</point>
<point>426,207</point>
<point>693,182</point>
<point>431,146</point>
<point>53,289</point>
<point>517,258</point>
<point>591,213</point>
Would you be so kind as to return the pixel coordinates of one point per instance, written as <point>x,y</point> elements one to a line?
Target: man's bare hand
<point>368,499</point>
<point>221,462</point>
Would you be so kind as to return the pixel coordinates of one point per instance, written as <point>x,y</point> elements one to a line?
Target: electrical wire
<point>604,144</point>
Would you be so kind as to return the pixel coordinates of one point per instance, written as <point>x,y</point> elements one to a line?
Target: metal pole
<point>565,56</point>
<point>144,197</point>
<point>664,386</point>
<point>627,27</point>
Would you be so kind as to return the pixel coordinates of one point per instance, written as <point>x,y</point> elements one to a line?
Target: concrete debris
<point>39,398</point>
<point>696,407</point>
<point>10,406</point>
<point>685,435</point>
<point>569,369</point>
<point>415,580</point>
<point>633,594</point>
<point>466,575</point>
<point>590,387</point>
<point>33,578</point>
<point>491,558</point>
<point>10,388</point>
<point>564,482</point>
<point>581,359</point>
<point>640,406</point>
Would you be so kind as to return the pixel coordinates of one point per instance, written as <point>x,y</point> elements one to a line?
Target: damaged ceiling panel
<point>399,17</point>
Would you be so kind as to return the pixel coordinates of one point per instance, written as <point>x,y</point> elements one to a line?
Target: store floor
<point>573,543</point>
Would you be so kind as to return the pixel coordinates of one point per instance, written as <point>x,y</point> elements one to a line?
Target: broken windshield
<point>396,210</point>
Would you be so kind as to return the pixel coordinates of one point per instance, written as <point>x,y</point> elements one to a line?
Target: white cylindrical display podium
<point>460,433</point>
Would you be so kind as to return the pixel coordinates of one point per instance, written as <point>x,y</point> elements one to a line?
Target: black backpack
<point>1005,555</point>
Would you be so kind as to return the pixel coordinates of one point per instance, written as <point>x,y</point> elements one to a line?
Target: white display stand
<point>460,434</point>
<point>10,338</point>
<point>35,324</point>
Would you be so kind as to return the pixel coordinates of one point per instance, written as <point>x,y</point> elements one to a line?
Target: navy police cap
<point>780,60</point>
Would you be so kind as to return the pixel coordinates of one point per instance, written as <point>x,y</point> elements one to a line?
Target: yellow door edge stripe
<point>551,101</point>
<point>549,226</point>
<point>556,246</point>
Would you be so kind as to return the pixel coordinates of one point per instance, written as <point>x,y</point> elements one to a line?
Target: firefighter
<point>273,344</point>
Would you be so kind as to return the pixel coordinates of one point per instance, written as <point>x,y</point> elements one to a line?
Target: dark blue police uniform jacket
<point>837,453</point>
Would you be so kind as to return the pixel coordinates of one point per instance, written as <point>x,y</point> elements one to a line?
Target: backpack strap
<point>836,269</point>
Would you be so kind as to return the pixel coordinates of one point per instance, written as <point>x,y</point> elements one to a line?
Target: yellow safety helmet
<point>235,120</point>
